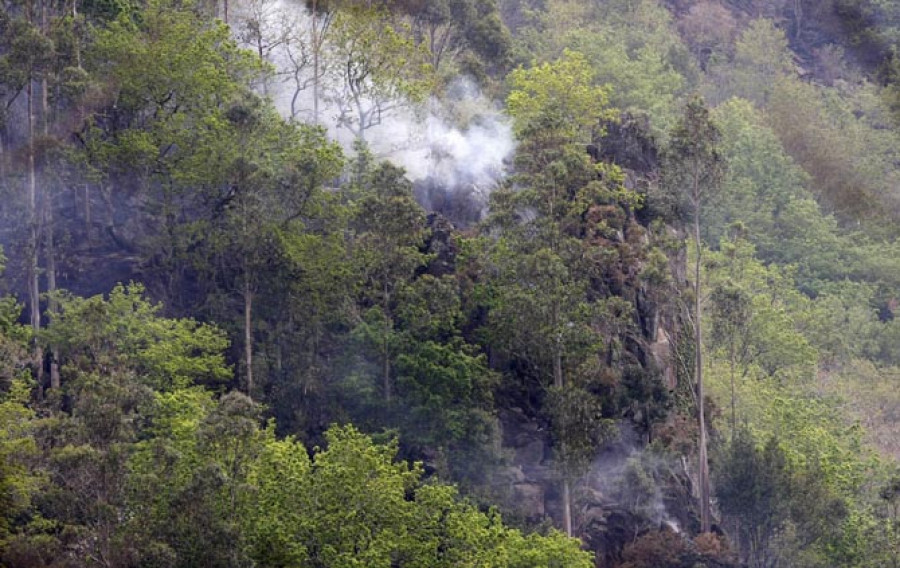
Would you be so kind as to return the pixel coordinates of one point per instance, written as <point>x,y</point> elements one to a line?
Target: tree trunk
<point>88,224</point>
<point>75,37</point>
<point>52,307</point>
<point>317,46</point>
<point>33,289</point>
<point>248,333</point>
<point>47,204</point>
<point>387,372</point>
<point>731,357</point>
<point>698,350</point>
<point>34,293</point>
<point>262,60</point>
<point>52,304</point>
<point>798,18</point>
<point>557,367</point>
<point>386,347</point>
<point>559,382</point>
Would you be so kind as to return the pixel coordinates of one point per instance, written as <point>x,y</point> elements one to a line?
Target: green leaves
<point>560,93</point>
<point>780,507</point>
<point>379,68</point>
<point>409,348</point>
<point>126,332</point>
<point>352,505</point>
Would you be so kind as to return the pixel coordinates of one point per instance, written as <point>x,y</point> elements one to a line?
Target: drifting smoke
<point>456,154</point>
<point>635,480</point>
<point>457,144</point>
<point>472,155</point>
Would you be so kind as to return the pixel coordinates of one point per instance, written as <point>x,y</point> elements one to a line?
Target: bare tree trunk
<point>47,204</point>
<point>33,284</point>
<point>698,350</point>
<point>731,356</point>
<point>317,46</point>
<point>76,38</point>
<point>88,229</point>
<point>87,187</point>
<point>321,21</point>
<point>3,153</point>
<point>34,294</point>
<point>557,367</point>
<point>386,371</point>
<point>52,307</point>
<point>559,382</point>
<point>262,60</point>
<point>388,394</point>
<point>566,490</point>
<point>52,304</point>
<point>798,18</point>
<point>248,332</point>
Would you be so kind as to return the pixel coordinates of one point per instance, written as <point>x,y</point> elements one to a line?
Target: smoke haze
<point>459,142</point>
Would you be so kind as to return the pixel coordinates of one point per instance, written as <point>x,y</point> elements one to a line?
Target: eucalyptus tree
<point>542,311</point>
<point>693,170</point>
<point>377,68</point>
<point>391,230</point>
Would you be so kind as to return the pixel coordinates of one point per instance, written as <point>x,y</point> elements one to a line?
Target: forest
<point>450,283</point>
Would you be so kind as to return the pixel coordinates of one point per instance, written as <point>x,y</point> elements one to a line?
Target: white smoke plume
<point>634,478</point>
<point>460,141</point>
<point>469,150</point>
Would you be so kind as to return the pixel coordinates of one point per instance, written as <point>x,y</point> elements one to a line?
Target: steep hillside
<point>277,272</point>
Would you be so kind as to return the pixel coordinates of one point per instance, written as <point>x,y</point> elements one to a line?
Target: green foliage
<point>383,527</point>
<point>126,331</point>
<point>694,164</point>
<point>408,333</point>
<point>761,58</point>
<point>463,35</point>
<point>168,476</point>
<point>562,94</point>
<point>818,143</point>
<point>633,49</point>
<point>760,183</point>
<point>75,493</point>
<point>174,78</point>
<point>752,487</point>
<point>779,508</point>
<point>354,306</point>
<point>18,484</point>
<point>544,308</point>
<point>759,317</point>
<point>769,341</point>
<point>391,232</point>
<point>652,43</point>
<point>379,67</point>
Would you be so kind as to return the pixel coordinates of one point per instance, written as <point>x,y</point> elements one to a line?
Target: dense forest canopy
<point>408,283</point>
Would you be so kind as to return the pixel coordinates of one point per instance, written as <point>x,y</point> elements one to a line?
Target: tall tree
<point>28,52</point>
<point>452,29</point>
<point>378,68</point>
<point>157,136</point>
<point>541,311</point>
<point>391,227</point>
<point>271,184</point>
<point>694,170</point>
<point>322,15</point>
